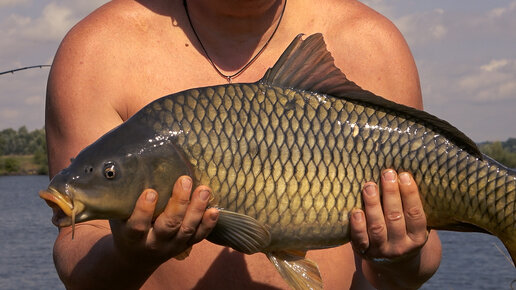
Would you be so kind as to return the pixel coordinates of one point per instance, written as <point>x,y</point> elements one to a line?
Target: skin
<point>129,53</point>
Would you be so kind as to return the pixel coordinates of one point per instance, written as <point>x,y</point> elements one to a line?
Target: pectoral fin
<point>240,232</point>
<point>184,254</point>
<point>299,272</point>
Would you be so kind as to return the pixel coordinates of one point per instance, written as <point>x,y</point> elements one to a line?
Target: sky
<point>465,51</point>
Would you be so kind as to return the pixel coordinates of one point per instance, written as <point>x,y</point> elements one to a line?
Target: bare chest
<point>213,267</point>
<point>162,71</point>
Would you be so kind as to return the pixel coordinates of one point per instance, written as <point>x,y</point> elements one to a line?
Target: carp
<point>286,158</point>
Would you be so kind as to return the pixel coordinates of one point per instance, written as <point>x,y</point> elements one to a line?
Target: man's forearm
<point>100,267</point>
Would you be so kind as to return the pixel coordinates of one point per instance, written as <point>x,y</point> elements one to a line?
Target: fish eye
<point>110,171</point>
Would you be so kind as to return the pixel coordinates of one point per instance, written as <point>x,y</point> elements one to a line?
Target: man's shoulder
<point>371,51</point>
<point>111,36</point>
<point>109,22</point>
<point>94,53</point>
<point>354,30</point>
<point>353,20</point>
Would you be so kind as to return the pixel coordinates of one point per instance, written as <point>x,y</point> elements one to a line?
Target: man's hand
<point>391,232</point>
<point>184,222</point>
<point>395,230</point>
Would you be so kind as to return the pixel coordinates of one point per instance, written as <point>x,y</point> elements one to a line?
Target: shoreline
<point>22,174</point>
<point>20,165</point>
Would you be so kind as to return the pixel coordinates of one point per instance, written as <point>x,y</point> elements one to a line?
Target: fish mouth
<point>65,210</point>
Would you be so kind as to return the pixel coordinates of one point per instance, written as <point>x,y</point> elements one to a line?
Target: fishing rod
<point>24,68</point>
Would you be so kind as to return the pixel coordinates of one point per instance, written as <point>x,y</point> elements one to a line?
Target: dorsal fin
<point>308,65</point>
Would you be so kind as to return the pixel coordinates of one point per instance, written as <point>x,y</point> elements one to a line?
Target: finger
<point>209,220</point>
<point>392,206</point>
<point>139,223</point>
<point>359,237</point>
<point>376,228</point>
<point>194,214</point>
<point>168,223</point>
<point>414,214</point>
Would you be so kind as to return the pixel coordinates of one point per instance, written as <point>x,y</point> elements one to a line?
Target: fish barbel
<point>286,158</point>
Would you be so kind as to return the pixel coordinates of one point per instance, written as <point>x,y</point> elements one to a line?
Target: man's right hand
<point>184,222</point>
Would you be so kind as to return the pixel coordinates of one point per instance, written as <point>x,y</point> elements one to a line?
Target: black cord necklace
<point>229,78</point>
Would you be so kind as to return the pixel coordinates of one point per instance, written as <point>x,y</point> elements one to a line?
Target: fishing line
<point>25,68</point>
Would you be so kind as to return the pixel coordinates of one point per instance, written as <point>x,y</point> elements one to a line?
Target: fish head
<point>106,178</point>
<point>92,188</point>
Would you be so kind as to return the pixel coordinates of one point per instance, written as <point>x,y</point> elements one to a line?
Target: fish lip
<point>62,205</point>
<point>55,198</point>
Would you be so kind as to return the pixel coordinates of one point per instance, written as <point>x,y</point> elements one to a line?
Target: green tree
<point>510,145</point>
<point>21,142</point>
<point>11,165</point>
<point>36,142</point>
<point>497,151</point>
<point>9,136</point>
<point>40,159</point>
<point>2,144</point>
<point>23,139</point>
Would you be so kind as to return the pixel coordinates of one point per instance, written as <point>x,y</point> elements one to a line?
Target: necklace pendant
<point>228,78</point>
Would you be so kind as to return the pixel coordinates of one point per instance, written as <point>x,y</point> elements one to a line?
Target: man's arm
<point>81,106</point>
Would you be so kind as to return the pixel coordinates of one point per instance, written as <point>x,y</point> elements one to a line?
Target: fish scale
<point>286,159</point>
<point>281,162</point>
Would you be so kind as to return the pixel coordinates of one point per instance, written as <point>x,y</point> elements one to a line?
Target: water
<point>26,235</point>
<point>470,261</point>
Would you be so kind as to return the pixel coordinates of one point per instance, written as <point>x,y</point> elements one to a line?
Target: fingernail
<point>357,216</point>
<point>389,175</point>
<point>150,196</point>
<point>186,183</point>
<point>405,178</point>
<point>204,195</point>
<point>370,190</point>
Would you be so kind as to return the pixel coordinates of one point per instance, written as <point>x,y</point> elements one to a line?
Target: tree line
<point>22,142</point>
<point>503,152</point>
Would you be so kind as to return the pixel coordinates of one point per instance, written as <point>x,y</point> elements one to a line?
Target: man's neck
<point>227,26</point>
